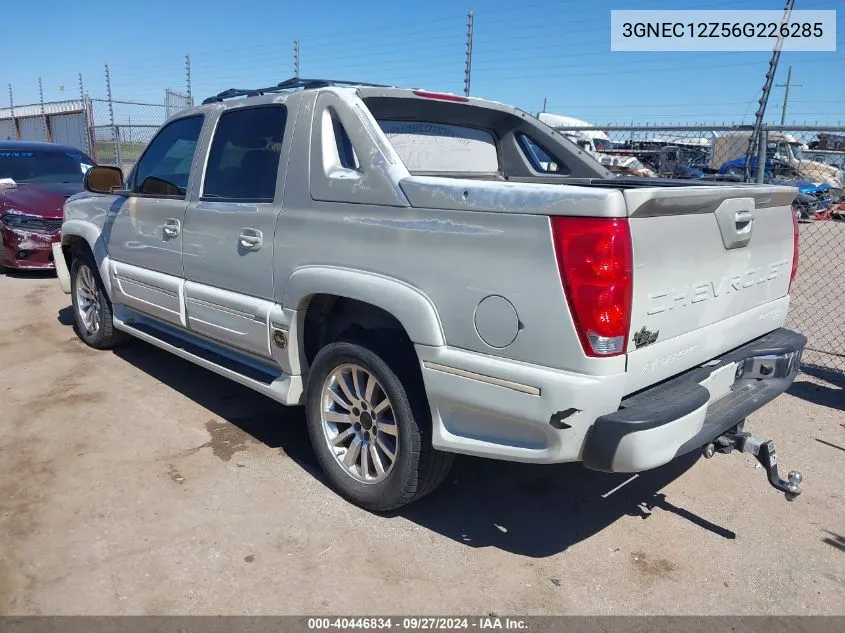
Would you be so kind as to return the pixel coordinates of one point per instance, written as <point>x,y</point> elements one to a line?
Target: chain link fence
<point>112,132</point>
<point>123,128</point>
<point>810,158</point>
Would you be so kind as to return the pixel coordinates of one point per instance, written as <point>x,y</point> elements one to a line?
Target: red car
<point>35,181</point>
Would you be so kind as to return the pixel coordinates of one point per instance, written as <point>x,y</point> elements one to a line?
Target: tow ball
<point>765,453</point>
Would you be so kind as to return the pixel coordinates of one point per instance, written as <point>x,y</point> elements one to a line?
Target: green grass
<point>129,151</point>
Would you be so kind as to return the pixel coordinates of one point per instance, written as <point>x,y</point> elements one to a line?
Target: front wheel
<point>370,431</point>
<point>92,309</point>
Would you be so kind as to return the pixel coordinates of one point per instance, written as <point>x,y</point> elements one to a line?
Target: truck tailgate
<point>712,270</point>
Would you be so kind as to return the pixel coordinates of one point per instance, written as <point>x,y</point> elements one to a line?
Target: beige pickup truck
<point>430,275</point>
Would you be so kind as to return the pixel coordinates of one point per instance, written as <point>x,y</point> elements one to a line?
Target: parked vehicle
<point>626,165</point>
<point>696,171</point>
<point>827,157</point>
<point>780,173</point>
<point>430,274</point>
<point>667,161</point>
<point>805,206</point>
<point>593,141</point>
<point>828,142</point>
<point>35,181</point>
<point>781,148</point>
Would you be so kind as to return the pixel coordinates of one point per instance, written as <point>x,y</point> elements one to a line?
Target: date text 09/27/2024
<point>418,623</point>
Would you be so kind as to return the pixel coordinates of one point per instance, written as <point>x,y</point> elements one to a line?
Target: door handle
<point>251,239</point>
<point>743,220</point>
<point>172,227</point>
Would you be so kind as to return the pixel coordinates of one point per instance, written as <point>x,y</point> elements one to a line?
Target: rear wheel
<point>370,429</point>
<point>92,309</point>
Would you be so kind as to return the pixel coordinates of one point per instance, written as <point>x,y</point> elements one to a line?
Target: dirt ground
<point>132,482</point>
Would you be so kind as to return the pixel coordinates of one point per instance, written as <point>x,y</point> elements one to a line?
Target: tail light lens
<point>795,239</point>
<point>594,257</point>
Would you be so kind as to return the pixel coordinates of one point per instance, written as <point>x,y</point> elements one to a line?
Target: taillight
<point>795,238</point>
<point>595,261</point>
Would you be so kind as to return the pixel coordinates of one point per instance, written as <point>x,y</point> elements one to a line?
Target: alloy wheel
<point>89,309</point>
<point>359,424</point>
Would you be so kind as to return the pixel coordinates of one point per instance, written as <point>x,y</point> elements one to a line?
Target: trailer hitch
<point>765,453</point>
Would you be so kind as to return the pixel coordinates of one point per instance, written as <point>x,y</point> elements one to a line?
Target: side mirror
<point>102,179</point>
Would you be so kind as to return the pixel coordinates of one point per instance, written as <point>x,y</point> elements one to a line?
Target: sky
<point>523,52</point>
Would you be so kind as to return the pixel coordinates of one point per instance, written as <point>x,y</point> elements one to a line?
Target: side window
<point>540,159</point>
<point>243,163</point>
<point>345,151</point>
<point>165,166</point>
<point>337,146</point>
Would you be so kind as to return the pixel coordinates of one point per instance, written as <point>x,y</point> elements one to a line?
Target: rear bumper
<point>26,249</point>
<point>685,413</point>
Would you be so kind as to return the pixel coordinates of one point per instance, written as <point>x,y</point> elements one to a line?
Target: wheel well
<point>75,244</point>
<point>329,318</point>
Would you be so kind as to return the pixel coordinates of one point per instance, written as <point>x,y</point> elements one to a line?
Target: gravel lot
<point>136,483</point>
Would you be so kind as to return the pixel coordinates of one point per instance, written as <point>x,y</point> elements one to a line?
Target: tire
<point>93,325</point>
<point>415,470</point>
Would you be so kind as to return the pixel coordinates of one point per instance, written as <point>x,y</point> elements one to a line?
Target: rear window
<point>442,148</point>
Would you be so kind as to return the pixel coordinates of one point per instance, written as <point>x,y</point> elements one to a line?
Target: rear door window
<point>243,162</point>
<point>442,148</point>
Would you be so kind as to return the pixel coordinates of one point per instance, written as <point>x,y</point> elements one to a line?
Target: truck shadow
<point>539,511</point>
<point>830,395</point>
<point>531,510</point>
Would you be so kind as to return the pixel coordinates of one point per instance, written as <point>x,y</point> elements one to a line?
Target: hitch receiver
<point>765,453</point>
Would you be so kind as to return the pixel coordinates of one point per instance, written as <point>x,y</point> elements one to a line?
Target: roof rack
<point>289,84</point>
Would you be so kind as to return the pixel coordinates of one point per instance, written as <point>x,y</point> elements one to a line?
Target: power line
<point>669,69</point>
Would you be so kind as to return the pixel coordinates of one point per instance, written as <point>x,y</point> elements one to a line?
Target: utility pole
<point>188,79</point>
<point>468,69</point>
<point>296,58</point>
<point>764,99</point>
<point>786,93</point>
